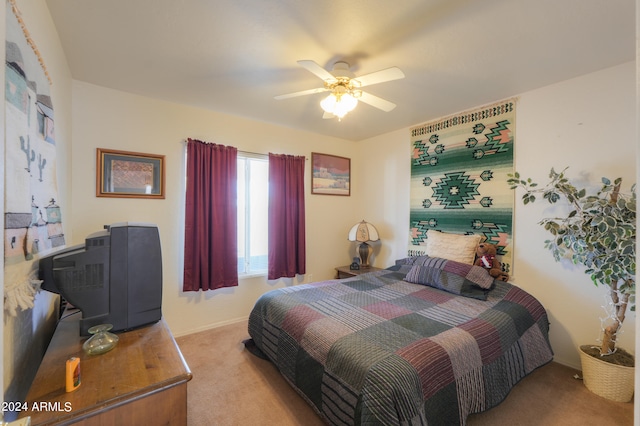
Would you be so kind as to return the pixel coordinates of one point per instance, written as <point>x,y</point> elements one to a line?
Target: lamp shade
<point>329,103</point>
<point>363,232</point>
<point>339,103</point>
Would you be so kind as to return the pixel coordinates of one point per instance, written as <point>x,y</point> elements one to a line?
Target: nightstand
<point>345,272</point>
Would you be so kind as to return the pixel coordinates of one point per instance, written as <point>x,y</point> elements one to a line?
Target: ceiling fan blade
<point>377,102</point>
<point>328,115</point>
<point>316,69</point>
<point>302,93</point>
<point>389,74</point>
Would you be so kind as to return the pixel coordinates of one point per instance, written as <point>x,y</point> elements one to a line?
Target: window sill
<point>252,275</point>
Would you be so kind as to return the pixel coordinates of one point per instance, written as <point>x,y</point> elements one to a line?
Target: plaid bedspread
<point>377,350</point>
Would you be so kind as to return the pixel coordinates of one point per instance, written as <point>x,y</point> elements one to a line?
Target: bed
<point>427,341</point>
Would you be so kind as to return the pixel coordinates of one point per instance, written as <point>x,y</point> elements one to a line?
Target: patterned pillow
<point>461,248</point>
<point>451,276</point>
<point>409,260</point>
<point>403,265</point>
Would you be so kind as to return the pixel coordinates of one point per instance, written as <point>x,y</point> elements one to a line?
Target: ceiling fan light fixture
<point>339,104</point>
<point>329,103</point>
<point>346,104</point>
<point>345,88</point>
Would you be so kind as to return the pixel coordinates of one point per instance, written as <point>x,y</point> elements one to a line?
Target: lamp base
<point>364,251</point>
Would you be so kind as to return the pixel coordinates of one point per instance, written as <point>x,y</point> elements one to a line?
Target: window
<point>253,198</point>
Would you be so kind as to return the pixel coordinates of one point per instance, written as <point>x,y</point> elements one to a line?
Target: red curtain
<point>210,243</point>
<point>287,252</point>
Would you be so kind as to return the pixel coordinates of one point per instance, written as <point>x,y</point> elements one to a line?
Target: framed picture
<point>129,174</point>
<point>330,175</point>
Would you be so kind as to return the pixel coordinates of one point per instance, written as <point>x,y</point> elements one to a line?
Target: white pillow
<point>461,248</point>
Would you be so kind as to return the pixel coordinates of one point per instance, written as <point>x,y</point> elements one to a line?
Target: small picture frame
<point>330,174</point>
<point>126,174</point>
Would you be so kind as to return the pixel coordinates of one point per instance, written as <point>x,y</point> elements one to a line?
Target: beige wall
<point>587,123</point>
<point>108,118</point>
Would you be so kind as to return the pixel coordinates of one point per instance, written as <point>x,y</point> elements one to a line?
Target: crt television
<point>115,277</point>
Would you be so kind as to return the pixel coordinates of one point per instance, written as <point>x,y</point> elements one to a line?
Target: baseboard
<point>567,363</point>
<point>210,326</point>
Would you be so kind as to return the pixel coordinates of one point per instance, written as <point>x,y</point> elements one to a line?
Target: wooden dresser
<point>143,380</point>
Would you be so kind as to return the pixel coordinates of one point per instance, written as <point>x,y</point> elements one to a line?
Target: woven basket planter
<point>610,381</point>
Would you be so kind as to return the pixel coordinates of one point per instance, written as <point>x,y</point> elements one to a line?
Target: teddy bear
<point>486,258</point>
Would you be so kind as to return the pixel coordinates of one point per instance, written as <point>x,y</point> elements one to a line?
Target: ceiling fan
<point>345,88</point>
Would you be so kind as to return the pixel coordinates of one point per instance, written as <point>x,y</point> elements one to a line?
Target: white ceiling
<point>234,56</point>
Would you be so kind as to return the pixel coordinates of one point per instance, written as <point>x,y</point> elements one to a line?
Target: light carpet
<point>230,386</point>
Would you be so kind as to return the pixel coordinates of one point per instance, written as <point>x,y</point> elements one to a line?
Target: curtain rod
<point>260,153</point>
<point>249,152</point>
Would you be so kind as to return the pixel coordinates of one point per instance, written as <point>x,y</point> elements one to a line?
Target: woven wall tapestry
<point>33,221</point>
<point>459,168</point>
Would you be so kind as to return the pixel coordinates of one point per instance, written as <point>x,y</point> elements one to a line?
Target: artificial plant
<point>599,232</point>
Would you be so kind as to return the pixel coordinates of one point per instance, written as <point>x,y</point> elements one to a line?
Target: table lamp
<point>363,232</point>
